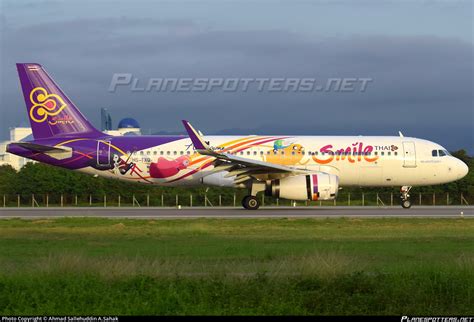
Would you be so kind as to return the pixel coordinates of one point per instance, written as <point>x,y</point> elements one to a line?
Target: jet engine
<point>315,186</point>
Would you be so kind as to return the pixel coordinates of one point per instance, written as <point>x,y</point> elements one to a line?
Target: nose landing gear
<point>405,197</point>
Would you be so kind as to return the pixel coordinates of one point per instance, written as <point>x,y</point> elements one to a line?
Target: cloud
<point>422,84</point>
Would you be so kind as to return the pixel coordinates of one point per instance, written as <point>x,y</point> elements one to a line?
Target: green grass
<point>246,266</point>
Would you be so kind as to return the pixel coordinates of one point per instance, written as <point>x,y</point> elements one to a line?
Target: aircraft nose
<point>462,169</point>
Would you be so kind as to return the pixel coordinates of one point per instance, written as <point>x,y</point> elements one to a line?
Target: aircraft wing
<point>58,153</point>
<point>243,168</point>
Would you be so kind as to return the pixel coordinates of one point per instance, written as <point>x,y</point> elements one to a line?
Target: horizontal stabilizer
<point>58,153</point>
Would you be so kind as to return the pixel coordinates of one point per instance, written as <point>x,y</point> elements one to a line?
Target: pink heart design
<point>50,104</point>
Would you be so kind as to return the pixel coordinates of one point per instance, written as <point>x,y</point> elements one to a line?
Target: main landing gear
<point>251,202</point>
<point>405,197</point>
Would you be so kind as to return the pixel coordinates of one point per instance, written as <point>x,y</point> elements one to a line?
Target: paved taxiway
<point>270,212</point>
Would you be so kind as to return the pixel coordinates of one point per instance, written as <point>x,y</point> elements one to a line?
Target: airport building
<point>127,126</point>
<point>16,134</point>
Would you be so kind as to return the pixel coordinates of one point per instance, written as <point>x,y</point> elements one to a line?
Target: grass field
<point>245,266</point>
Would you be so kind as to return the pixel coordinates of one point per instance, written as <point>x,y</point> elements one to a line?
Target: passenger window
<point>293,152</point>
<point>188,153</point>
<point>282,152</point>
<point>161,152</point>
<point>148,153</point>
<point>241,152</point>
<point>181,152</point>
<point>268,152</point>
<point>376,153</point>
<point>396,153</point>
<point>434,153</point>
<point>168,152</point>
<point>248,152</point>
<point>254,152</point>
<point>389,153</point>
<point>155,152</point>
<point>141,152</point>
<point>441,153</point>
<point>382,153</point>
<point>261,152</point>
<point>175,153</point>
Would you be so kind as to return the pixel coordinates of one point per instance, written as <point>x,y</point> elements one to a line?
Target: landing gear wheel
<point>250,203</point>
<point>405,196</point>
<point>406,203</point>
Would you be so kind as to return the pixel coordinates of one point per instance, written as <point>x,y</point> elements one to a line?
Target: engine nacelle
<point>218,179</point>
<point>317,186</point>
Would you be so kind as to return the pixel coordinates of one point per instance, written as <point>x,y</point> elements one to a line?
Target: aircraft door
<point>103,152</point>
<point>409,155</point>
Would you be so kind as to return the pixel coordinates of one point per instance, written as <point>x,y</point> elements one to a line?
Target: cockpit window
<point>440,153</point>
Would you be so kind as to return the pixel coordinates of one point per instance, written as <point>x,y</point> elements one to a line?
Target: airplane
<point>282,166</point>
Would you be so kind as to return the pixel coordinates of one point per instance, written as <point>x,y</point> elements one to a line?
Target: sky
<point>418,54</point>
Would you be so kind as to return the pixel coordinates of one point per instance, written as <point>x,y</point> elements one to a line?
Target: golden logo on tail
<point>44,104</point>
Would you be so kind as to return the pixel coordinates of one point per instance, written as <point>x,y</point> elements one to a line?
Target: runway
<point>223,212</point>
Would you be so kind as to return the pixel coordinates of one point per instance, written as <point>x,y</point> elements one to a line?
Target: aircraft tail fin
<point>50,111</point>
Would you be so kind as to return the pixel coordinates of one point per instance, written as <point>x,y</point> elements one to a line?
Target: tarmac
<point>234,213</point>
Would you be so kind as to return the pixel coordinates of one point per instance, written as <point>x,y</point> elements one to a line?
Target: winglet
<point>196,138</point>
